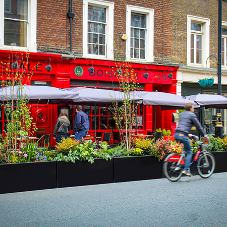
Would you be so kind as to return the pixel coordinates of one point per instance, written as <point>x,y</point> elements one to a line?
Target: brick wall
<point>170,26</point>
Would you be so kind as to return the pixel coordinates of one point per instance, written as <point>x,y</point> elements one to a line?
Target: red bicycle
<point>174,163</point>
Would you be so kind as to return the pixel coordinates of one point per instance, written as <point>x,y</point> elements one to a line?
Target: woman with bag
<point>62,127</point>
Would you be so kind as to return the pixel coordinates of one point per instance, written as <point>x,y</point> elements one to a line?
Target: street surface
<point>189,202</point>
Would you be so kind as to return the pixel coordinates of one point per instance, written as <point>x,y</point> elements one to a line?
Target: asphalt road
<point>189,202</point>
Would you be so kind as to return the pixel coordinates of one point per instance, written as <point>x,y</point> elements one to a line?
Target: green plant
<point>66,145</point>
<point>143,144</point>
<point>194,146</point>
<point>159,130</point>
<point>161,148</point>
<point>164,132</point>
<point>168,133</point>
<point>216,144</point>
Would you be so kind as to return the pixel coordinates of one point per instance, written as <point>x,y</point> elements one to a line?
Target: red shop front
<point>72,73</point>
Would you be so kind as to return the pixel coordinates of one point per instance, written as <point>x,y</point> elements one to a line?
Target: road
<point>189,202</point>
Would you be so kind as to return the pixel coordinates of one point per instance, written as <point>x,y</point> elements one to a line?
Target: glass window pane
<point>143,21</point>
<point>97,14</point>
<point>136,44</point>
<point>90,48</point>
<point>101,39</point>
<point>132,32</point>
<point>93,110</point>
<point>132,42</point>
<point>103,110</point>
<point>111,122</point>
<point>95,38</point>
<point>95,27</point>
<point>93,123</point>
<point>15,33</point>
<point>90,37</point>
<point>199,56</point>
<point>192,40</point>
<point>195,27</point>
<point>224,31</point>
<point>103,122</point>
<point>101,50</point>
<point>102,28</point>
<point>192,55</point>
<point>90,27</point>
<point>142,54</point>
<point>131,52</point>
<point>199,42</point>
<point>142,43</point>
<point>87,110</point>
<point>95,49</point>
<point>136,53</point>
<point>142,34</point>
<point>136,33</point>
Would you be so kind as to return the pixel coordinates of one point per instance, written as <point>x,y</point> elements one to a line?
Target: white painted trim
<point>205,40</point>
<point>32,28</point>
<point>150,32</point>
<point>109,32</point>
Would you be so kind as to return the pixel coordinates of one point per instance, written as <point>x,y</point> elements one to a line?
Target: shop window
<point>41,83</point>
<point>18,24</point>
<point>139,29</point>
<point>98,29</point>
<point>197,40</point>
<point>224,47</point>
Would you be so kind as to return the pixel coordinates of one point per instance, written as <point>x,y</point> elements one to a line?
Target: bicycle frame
<point>179,158</point>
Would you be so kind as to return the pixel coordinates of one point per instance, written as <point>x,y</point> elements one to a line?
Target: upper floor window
<point>197,40</point>
<point>98,29</point>
<point>140,34</point>
<point>18,24</point>
<point>224,47</point>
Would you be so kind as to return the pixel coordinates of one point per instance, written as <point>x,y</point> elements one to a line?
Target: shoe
<point>177,168</point>
<point>187,172</point>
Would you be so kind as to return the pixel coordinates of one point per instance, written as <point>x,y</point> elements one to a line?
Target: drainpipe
<point>70,15</point>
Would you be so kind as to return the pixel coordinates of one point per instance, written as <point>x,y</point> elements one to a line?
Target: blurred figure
<point>62,127</point>
<point>81,123</point>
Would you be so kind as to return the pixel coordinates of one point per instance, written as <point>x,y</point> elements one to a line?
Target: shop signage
<point>103,73</point>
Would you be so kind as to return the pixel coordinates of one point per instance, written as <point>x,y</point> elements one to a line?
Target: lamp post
<point>218,126</point>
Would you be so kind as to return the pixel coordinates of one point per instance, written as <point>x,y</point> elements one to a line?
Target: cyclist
<point>186,120</point>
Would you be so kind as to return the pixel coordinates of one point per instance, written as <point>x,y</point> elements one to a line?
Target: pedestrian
<point>81,123</point>
<point>186,120</point>
<point>61,128</point>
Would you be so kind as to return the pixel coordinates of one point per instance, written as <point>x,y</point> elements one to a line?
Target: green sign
<point>78,71</point>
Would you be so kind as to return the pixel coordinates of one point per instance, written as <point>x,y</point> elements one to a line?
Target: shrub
<point>66,145</point>
<point>143,144</point>
<point>216,144</point>
<point>161,148</point>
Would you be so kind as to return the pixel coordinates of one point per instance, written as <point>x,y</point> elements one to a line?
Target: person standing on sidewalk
<point>186,120</point>
<point>61,128</point>
<point>81,123</point>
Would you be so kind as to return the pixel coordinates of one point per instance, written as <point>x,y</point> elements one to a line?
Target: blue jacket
<point>81,122</point>
<point>186,121</point>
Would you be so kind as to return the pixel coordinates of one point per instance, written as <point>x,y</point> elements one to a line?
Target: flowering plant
<point>161,148</point>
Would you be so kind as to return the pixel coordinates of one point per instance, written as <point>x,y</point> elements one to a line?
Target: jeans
<point>59,137</point>
<point>81,134</point>
<point>179,137</point>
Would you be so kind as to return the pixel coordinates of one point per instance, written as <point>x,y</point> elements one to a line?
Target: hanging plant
<point>207,82</point>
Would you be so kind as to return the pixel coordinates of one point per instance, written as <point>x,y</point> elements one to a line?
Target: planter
<point>136,168</point>
<point>206,82</point>
<point>18,177</point>
<point>84,173</point>
<point>220,161</point>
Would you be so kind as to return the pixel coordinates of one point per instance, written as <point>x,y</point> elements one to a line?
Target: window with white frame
<point>224,47</point>
<point>98,29</point>
<point>197,40</point>
<point>139,31</point>
<point>18,24</point>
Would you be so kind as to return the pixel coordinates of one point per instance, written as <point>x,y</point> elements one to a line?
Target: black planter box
<point>18,177</point>
<point>137,168</point>
<point>84,173</point>
<point>220,161</point>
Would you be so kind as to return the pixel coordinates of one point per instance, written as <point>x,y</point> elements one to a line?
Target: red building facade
<point>67,73</point>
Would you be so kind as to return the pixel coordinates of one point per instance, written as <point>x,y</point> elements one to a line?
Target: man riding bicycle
<point>186,120</point>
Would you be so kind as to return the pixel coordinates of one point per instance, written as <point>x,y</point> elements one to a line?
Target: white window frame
<point>109,28</point>
<point>205,23</point>
<point>224,24</point>
<point>31,33</point>
<point>149,42</point>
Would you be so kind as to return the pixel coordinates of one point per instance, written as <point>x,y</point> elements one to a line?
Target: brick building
<point>152,36</point>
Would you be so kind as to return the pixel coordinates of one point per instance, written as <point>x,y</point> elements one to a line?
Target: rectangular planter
<point>18,177</point>
<point>137,168</point>
<point>84,173</point>
<point>220,161</point>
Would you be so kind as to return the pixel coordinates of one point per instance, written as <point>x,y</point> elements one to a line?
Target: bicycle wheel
<point>205,169</point>
<point>170,172</point>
